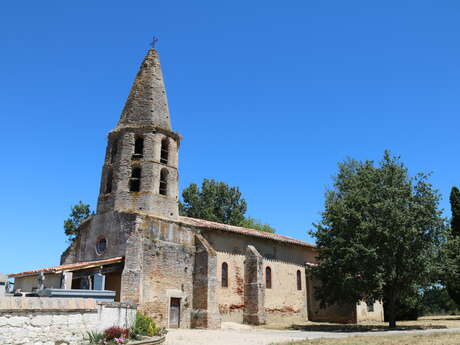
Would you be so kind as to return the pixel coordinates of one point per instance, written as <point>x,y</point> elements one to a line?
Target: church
<point>183,272</point>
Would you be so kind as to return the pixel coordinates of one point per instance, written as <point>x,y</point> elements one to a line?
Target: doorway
<point>174,313</point>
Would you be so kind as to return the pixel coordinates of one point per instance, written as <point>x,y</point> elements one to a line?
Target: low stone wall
<point>58,321</point>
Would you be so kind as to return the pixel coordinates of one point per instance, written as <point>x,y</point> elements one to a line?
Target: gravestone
<point>99,281</point>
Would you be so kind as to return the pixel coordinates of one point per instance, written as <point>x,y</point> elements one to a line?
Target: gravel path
<point>247,336</point>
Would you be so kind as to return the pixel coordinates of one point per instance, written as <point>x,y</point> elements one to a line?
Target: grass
<point>423,323</point>
<point>419,339</point>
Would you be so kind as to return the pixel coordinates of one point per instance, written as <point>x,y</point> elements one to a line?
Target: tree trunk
<point>392,313</point>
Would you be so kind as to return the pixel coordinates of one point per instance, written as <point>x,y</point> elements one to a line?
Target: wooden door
<point>174,313</point>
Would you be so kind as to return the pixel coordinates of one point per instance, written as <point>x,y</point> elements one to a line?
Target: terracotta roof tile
<point>244,231</point>
<point>67,267</point>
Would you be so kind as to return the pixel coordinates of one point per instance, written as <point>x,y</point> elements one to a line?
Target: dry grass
<point>427,322</point>
<point>419,339</point>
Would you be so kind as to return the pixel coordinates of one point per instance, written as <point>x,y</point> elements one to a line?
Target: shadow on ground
<point>447,318</point>
<point>359,328</point>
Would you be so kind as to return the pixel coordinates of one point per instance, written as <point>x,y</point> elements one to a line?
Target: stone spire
<point>140,172</point>
<point>147,103</point>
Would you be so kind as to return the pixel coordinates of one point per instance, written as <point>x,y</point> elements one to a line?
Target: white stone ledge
<point>44,304</point>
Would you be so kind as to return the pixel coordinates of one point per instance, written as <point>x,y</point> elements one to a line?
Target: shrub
<point>111,336</point>
<point>116,333</point>
<point>144,325</point>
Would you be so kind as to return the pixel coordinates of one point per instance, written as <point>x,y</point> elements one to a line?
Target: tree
<point>436,301</point>
<point>455,206</point>
<point>218,202</point>
<point>378,235</point>
<point>253,223</point>
<point>78,214</point>
<point>452,249</point>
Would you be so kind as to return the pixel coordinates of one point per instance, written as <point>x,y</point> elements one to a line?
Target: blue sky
<point>268,96</point>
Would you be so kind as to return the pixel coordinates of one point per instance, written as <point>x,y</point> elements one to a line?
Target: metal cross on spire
<point>154,41</point>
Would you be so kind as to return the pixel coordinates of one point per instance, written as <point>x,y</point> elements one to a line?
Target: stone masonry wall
<point>283,299</point>
<point>116,227</point>
<point>50,321</point>
<point>333,313</point>
<point>231,298</point>
<point>254,289</point>
<point>159,265</point>
<point>119,161</point>
<point>205,312</point>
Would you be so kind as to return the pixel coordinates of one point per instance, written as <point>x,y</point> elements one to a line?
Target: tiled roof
<point>244,231</point>
<point>69,267</point>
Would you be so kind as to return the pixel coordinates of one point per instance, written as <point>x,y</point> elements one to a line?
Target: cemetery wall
<point>65,321</point>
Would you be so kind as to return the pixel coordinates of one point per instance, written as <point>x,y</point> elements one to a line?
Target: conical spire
<point>147,103</point>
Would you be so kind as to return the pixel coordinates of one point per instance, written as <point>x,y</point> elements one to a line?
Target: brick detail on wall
<point>254,289</point>
<point>205,312</point>
<point>132,272</point>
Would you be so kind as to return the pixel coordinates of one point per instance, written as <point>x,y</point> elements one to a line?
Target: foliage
<point>455,206</point>
<point>409,308</point>
<point>452,249</point>
<point>436,301</point>
<point>218,202</point>
<point>95,337</point>
<point>78,214</point>
<point>452,267</point>
<point>432,300</point>
<point>111,336</point>
<point>378,235</point>
<point>252,223</point>
<point>143,325</point>
<point>115,332</point>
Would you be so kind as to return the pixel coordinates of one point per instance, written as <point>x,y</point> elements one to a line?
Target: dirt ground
<point>419,339</point>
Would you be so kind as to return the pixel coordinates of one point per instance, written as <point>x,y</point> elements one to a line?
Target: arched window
<point>224,275</point>
<point>299,280</point>
<point>108,182</point>
<point>268,278</point>
<point>135,180</point>
<point>164,182</point>
<point>164,151</point>
<point>138,147</point>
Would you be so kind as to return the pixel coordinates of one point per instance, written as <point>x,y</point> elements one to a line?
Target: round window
<point>101,245</point>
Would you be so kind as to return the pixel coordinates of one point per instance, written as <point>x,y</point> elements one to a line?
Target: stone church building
<point>183,272</point>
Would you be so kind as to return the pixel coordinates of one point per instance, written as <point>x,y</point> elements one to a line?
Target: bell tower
<point>140,171</point>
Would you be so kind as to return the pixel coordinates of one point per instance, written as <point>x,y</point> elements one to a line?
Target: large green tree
<point>218,202</point>
<point>78,213</point>
<point>455,207</point>
<point>452,249</point>
<point>378,235</point>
